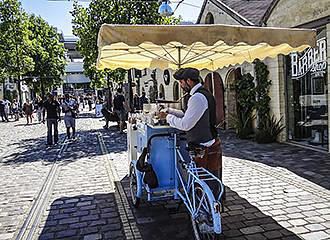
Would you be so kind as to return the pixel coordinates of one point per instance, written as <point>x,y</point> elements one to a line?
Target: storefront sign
<point>314,60</point>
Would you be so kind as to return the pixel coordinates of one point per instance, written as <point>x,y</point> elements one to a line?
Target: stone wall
<point>290,13</point>
<point>219,16</point>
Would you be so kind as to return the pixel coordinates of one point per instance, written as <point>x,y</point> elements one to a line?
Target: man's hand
<point>162,115</point>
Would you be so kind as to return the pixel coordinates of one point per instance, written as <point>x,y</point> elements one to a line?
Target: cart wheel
<point>202,225</point>
<point>133,188</point>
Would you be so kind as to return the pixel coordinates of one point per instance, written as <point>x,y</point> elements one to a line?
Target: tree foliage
<point>48,54</point>
<point>14,39</point>
<point>88,21</point>
<point>29,47</point>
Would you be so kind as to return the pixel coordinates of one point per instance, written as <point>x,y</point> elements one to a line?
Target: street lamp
<point>165,9</point>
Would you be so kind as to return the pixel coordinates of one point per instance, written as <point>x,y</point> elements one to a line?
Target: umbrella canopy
<point>200,46</point>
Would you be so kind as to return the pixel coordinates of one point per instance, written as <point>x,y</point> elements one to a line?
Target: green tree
<point>14,41</point>
<point>262,93</point>
<point>245,100</point>
<point>48,53</point>
<point>88,21</point>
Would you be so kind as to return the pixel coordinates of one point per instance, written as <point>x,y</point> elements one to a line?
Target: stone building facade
<point>307,123</point>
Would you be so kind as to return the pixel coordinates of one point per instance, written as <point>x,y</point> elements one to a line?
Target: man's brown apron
<point>212,161</point>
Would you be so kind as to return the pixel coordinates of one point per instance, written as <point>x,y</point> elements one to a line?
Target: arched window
<point>176,91</point>
<point>161,93</point>
<point>209,18</point>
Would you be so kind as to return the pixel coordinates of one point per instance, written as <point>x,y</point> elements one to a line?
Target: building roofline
<point>242,20</point>
<point>269,11</point>
<point>201,12</point>
<point>238,17</point>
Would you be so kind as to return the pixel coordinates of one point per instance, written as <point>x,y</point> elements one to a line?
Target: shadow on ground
<point>311,165</point>
<point>241,220</point>
<point>95,216</point>
<point>34,149</point>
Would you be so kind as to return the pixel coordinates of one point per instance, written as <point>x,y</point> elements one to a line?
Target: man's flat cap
<point>187,73</point>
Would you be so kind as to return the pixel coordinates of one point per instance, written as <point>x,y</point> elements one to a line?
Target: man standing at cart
<point>199,123</point>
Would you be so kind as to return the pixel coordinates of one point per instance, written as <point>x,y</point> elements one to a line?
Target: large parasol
<point>200,46</point>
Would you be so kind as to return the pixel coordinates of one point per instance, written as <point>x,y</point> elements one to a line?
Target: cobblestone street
<point>80,189</point>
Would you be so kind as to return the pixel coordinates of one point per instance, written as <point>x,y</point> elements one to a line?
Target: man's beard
<point>186,88</point>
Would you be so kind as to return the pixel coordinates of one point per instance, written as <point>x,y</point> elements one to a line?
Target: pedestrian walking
<point>119,107</point>
<point>7,106</point>
<point>3,112</point>
<point>28,110</point>
<point>52,108</point>
<point>90,102</point>
<point>143,100</point>
<point>69,107</point>
<point>15,109</point>
<point>136,102</point>
<point>38,108</point>
<point>82,103</point>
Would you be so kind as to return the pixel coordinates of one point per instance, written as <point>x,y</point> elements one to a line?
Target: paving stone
<point>93,237</point>
<point>47,236</point>
<point>113,234</point>
<point>111,227</point>
<point>251,230</point>
<point>88,230</point>
<point>61,216</point>
<point>78,225</point>
<point>232,233</point>
<point>256,237</point>
<point>90,218</point>
<point>316,236</point>
<point>109,215</point>
<point>316,219</point>
<point>297,222</point>
<point>298,230</point>
<point>6,236</point>
<point>295,215</point>
<point>66,233</point>
<point>98,222</point>
<point>69,220</point>
<point>80,213</point>
<point>86,203</point>
<point>273,234</point>
<point>315,227</point>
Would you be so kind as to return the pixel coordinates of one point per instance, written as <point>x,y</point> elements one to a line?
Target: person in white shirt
<point>69,107</point>
<point>199,122</point>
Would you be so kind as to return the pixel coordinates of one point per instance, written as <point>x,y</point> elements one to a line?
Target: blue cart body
<point>162,155</point>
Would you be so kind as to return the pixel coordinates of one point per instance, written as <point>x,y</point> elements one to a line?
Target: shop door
<point>214,83</point>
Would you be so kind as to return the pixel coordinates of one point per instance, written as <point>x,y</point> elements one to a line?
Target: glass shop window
<point>307,95</point>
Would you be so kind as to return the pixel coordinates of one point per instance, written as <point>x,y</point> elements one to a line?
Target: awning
<point>200,46</point>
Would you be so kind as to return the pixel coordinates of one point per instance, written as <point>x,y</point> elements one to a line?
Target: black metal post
<point>130,90</point>
<point>109,105</point>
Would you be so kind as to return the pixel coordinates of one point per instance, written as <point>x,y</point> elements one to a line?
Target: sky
<point>57,13</point>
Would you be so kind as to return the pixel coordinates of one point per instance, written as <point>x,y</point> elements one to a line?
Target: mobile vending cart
<point>156,150</point>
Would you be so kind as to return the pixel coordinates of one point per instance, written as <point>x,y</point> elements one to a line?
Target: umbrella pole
<point>179,56</point>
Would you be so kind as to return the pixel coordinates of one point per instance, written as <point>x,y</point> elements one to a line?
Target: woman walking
<point>15,109</point>
<point>28,110</point>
